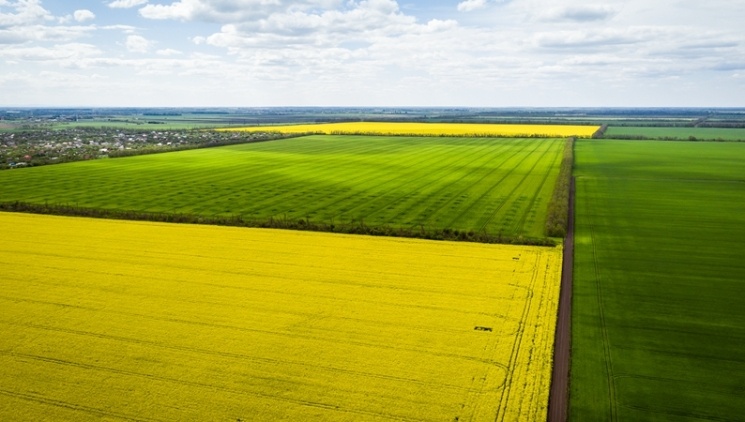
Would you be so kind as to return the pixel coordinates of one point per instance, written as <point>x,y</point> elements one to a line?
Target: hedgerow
<point>352,227</point>
<point>558,206</point>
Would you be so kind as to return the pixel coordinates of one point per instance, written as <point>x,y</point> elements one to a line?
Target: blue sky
<point>491,53</point>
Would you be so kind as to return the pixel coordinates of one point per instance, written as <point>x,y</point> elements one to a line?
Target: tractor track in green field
<point>460,193</point>
<point>306,167</point>
<point>536,194</point>
<point>444,187</point>
<point>493,186</point>
<point>514,189</point>
<point>604,329</point>
<point>397,179</point>
<point>415,157</point>
<point>457,195</point>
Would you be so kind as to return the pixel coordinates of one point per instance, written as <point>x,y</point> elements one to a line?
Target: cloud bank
<point>373,52</point>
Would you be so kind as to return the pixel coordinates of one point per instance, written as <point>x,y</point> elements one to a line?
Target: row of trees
<point>671,138</point>
<point>353,227</point>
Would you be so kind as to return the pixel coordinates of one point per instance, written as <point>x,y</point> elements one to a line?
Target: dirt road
<point>558,400</point>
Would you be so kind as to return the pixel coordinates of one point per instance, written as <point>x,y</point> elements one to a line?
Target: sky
<point>464,53</point>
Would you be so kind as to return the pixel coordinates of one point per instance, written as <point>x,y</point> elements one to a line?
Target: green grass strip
<point>558,206</point>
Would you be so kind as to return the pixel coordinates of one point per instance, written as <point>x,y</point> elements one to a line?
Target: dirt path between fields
<point>558,398</point>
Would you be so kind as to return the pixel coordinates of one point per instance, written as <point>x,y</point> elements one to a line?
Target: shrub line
<point>667,138</point>
<point>558,206</point>
<point>419,232</point>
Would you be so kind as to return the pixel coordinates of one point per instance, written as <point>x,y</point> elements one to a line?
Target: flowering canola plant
<point>429,129</point>
<point>106,319</point>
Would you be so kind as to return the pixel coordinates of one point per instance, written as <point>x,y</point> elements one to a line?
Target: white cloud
<point>83,15</point>
<point>180,10</point>
<point>581,13</point>
<point>126,4</point>
<point>127,29</point>
<point>373,52</point>
<point>137,44</point>
<point>232,11</point>
<point>26,12</point>
<point>591,38</point>
<point>41,33</point>
<point>56,53</point>
<point>364,23</point>
<point>168,52</point>
<point>470,5</point>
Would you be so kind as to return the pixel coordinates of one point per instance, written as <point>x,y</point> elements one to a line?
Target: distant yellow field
<point>429,129</point>
<point>107,320</point>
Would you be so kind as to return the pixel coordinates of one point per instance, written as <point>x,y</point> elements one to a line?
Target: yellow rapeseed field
<point>109,320</point>
<point>429,129</point>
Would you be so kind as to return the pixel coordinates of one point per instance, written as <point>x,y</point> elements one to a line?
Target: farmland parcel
<point>430,129</point>
<point>146,321</point>
<point>498,186</point>
<point>659,323</point>
<point>682,133</point>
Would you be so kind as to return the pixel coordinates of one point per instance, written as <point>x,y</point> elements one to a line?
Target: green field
<point>659,321</point>
<point>492,185</point>
<point>683,133</point>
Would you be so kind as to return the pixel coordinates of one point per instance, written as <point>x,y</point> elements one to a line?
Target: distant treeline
<point>600,132</point>
<point>358,227</point>
<point>558,206</point>
<point>257,137</point>
<point>700,123</point>
<point>725,124</point>
<point>670,138</point>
